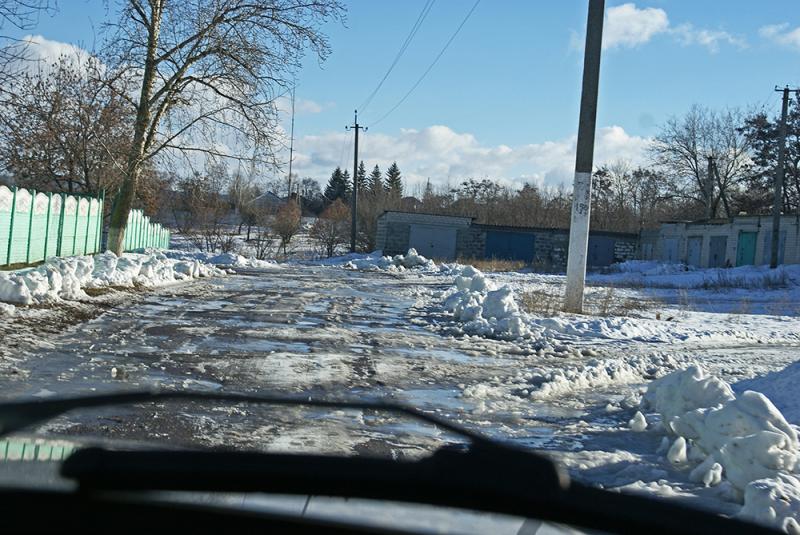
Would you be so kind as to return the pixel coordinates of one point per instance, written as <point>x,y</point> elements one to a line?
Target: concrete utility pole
<point>710,188</point>
<point>291,149</point>
<point>582,186</point>
<point>354,205</point>
<point>777,202</point>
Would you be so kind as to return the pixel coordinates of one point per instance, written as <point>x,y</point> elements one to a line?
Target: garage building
<point>738,241</point>
<point>454,237</point>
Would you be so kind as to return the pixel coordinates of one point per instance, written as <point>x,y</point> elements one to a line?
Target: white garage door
<point>433,241</point>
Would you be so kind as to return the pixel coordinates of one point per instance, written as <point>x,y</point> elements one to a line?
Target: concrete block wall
<point>624,249</point>
<point>470,242</point>
<point>551,248</point>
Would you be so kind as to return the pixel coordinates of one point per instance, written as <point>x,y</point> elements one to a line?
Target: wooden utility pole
<point>777,201</point>
<point>354,205</point>
<point>582,186</point>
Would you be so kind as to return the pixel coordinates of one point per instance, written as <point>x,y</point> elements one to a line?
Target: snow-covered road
<point>326,331</point>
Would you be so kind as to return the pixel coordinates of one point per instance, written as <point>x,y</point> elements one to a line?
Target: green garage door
<point>746,250</point>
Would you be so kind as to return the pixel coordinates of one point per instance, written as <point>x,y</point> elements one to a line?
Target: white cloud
<point>628,26</point>
<point>446,156</point>
<point>687,34</point>
<point>782,34</point>
<point>36,52</point>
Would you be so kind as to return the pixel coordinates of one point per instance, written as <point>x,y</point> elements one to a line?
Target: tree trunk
<point>124,201</point>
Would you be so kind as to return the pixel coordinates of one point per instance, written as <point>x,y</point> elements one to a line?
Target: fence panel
<point>69,226</point>
<point>6,205</point>
<point>20,227</point>
<point>54,226</point>
<point>38,228</point>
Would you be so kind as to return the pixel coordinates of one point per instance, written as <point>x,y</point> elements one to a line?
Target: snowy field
<point>680,383</point>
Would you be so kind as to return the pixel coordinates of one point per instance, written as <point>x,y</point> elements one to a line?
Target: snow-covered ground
<point>681,383</point>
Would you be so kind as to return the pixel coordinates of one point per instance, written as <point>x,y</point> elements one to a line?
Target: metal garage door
<point>510,245</point>
<point>600,251</point>
<point>670,252</point>
<point>433,241</point>
<point>717,250</point>
<point>694,249</point>
<point>746,249</point>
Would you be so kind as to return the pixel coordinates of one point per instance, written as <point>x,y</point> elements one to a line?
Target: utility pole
<point>777,201</point>
<point>582,186</point>
<point>354,205</point>
<point>291,149</point>
<point>709,193</point>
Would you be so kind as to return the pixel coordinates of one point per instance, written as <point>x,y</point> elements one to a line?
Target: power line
<point>430,67</point>
<point>423,14</point>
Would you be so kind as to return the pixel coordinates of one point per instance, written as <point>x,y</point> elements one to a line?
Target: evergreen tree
<point>394,182</point>
<point>337,185</point>
<point>361,176</point>
<point>348,186</point>
<point>376,181</point>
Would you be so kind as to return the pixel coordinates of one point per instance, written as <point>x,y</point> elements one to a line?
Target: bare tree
<point>62,128</point>
<point>23,15</point>
<point>681,149</point>
<point>287,223</point>
<point>332,229</point>
<point>209,70</point>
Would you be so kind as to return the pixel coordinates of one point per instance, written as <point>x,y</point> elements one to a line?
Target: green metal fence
<point>141,233</point>
<point>35,226</point>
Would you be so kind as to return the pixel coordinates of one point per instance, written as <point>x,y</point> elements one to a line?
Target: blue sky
<point>503,100</point>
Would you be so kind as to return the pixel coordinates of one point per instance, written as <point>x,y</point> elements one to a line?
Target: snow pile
<point>780,387</point>
<point>744,439</point>
<point>223,259</point>
<point>597,373</point>
<point>650,274</point>
<point>485,311</point>
<point>65,278</point>
<point>397,263</point>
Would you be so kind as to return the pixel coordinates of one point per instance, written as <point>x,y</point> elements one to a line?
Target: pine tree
<point>361,176</point>
<point>337,185</point>
<point>348,186</point>
<point>394,182</point>
<point>376,181</point>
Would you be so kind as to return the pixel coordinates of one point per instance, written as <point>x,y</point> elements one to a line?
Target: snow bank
<point>397,263</point>
<point>65,278</point>
<point>744,439</point>
<point>781,387</point>
<point>223,259</point>
<point>650,274</point>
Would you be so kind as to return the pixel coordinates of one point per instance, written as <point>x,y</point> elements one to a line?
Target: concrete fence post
<point>47,224</point>
<point>60,237</point>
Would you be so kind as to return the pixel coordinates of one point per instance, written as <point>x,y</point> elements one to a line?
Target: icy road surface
<point>327,331</point>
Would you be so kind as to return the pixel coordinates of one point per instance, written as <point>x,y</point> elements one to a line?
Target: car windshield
<point>571,228</point>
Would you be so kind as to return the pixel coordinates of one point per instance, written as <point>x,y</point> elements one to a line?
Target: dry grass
<point>493,264</point>
<point>549,303</point>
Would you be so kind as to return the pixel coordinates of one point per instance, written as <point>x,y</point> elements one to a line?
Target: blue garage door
<point>510,245</point>
<point>601,251</point>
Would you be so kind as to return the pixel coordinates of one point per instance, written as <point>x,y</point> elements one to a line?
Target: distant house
<point>737,241</point>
